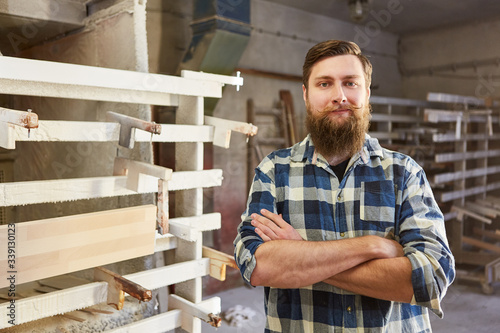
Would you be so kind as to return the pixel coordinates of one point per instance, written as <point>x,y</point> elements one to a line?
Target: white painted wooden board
<point>53,79</point>
<point>172,274</point>
<point>54,303</point>
<point>188,228</point>
<point>79,297</point>
<point>87,131</point>
<point>60,190</point>
<point>56,246</point>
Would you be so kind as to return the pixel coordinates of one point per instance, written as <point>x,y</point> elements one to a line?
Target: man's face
<point>338,111</point>
<point>334,83</point>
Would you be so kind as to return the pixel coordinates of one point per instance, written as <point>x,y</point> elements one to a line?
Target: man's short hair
<point>331,48</point>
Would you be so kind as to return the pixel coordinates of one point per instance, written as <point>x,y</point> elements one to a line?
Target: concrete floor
<point>466,309</point>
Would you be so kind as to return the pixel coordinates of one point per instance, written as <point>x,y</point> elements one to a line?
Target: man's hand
<point>270,226</point>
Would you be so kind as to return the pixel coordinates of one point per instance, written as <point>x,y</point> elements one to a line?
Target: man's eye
<point>351,84</point>
<point>324,84</point>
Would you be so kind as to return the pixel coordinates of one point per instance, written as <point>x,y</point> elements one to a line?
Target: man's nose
<point>338,96</point>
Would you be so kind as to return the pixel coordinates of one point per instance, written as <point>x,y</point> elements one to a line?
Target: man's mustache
<point>334,108</point>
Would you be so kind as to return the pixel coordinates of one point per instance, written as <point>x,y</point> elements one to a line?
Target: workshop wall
<point>464,62</point>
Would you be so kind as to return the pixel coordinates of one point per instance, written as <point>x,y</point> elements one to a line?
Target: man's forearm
<point>294,264</point>
<point>387,279</point>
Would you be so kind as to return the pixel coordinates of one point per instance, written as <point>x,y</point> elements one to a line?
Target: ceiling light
<point>358,9</point>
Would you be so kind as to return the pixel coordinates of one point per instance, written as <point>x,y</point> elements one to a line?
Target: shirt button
<point>349,309</point>
<point>342,234</point>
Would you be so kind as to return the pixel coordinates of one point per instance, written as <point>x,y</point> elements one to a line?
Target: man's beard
<point>338,137</point>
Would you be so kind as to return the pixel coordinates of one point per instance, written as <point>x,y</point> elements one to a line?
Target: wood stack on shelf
<point>70,243</point>
<point>467,147</point>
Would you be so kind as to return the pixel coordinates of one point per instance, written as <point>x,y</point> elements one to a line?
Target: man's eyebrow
<point>327,77</point>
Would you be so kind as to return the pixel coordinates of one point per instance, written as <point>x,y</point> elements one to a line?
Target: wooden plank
<point>435,116</point>
<point>160,323</point>
<point>118,286</point>
<point>190,228</point>
<point>20,118</point>
<point>224,127</point>
<point>83,296</point>
<point>61,245</point>
<point>452,195</point>
<point>205,310</point>
<point>52,79</point>
<point>287,99</point>
<point>465,212</point>
<point>224,79</point>
<point>128,126</point>
<point>452,157</point>
<point>178,133</point>
<point>395,118</point>
<point>93,131</point>
<point>189,157</point>
<point>450,176</point>
<point>54,303</point>
<point>218,262</point>
<point>487,233</point>
<point>60,190</point>
<point>172,274</point>
<point>451,137</point>
<point>486,211</point>
<point>136,172</point>
<point>165,242</point>
<point>481,244</point>
<point>162,216</point>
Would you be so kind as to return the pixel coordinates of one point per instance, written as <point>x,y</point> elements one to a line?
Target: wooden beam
<point>218,262</point>
<point>206,310</point>
<point>223,128</point>
<point>466,212</point>
<point>93,131</point>
<point>54,303</point>
<point>80,297</point>
<point>136,170</point>
<point>162,216</point>
<point>450,176</point>
<point>128,126</point>
<point>52,79</point>
<point>172,274</point>
<point>189,228</point>
<point>20,118</point>
<point>118,286</point>
<point>60,190</point>
<point>223,79</point>
<point>487,233</point>
<point>452,195</point>
<point>61,245</point>
<point>165,242</point>
<point>178,133</point>
<point>481,244</point>
<point>453,157</point>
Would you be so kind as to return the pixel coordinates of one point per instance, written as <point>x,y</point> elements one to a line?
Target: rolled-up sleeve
<point>262,196</point>
<point>423,236</point>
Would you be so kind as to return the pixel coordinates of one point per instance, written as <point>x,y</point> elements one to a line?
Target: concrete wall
<point>456,46</point>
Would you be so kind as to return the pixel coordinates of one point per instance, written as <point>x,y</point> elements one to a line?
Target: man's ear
<point>368,90</point>
<point>304,93</point>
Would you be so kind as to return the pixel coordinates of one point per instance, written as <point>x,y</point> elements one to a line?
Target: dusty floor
<point>466,309</point>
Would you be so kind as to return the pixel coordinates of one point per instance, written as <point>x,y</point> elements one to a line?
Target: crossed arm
<point>370,265</point>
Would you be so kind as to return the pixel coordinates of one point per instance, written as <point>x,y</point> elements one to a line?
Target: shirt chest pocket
<point>377,203</point>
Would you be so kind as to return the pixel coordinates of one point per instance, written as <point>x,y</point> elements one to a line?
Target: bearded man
<point>343,234</point>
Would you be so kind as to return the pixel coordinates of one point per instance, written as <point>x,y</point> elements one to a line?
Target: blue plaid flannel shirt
<point>382,192</point>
